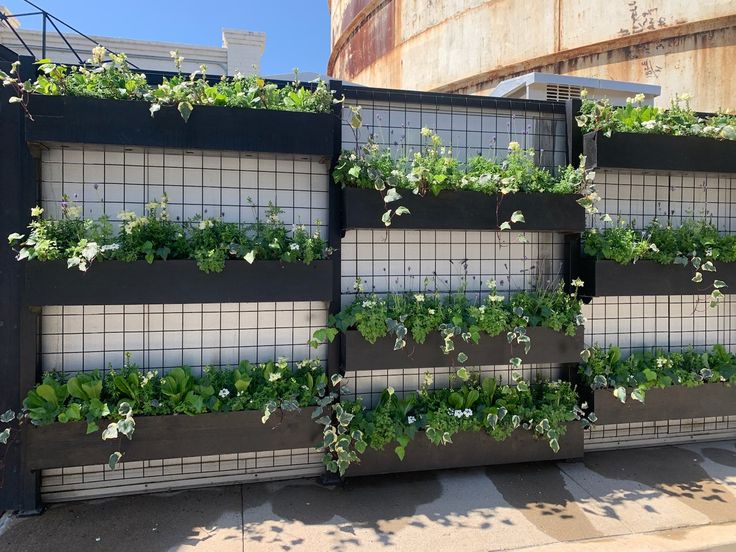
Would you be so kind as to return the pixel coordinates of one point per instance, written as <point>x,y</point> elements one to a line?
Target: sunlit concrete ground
<point>667,498</point>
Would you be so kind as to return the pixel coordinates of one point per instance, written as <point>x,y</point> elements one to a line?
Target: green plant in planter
<point>679,119</point>
<point>471,404</point>
<point>433,169</point>
<point>114,79</point>
<point>152,236</point>
<point>644,370</point>
<point>694,243</point>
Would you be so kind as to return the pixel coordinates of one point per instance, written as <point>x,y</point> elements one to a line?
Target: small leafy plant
<point>118,396</point>
<point>679,119</point>
<point>115,79</point>
<point>152,236</point>
<point>694,243</point>
<point>641,371</point>
<point>470,404</point>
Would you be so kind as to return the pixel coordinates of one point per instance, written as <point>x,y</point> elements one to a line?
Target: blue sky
<point>297,31</point>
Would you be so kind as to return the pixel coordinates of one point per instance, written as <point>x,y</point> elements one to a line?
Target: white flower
<point>514,146</point>
<point>204,224</point>
<point>411,419</point>
<point>110,247</point>
<point>649,125</point>
<point>482,309</point>
<point>368,304</point>
<point>294,247</point>
<point>458,413</point>
<point>274,376</point>
<point>419,297</point>
<point>224,393</point>
<point>639,98</point>
<point>431,311</point>
<point>467,413</point>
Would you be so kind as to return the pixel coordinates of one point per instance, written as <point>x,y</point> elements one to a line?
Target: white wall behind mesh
<point>235,186</point>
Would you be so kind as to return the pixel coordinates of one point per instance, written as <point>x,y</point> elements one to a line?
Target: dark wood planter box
<point>609,278</point>
<point>465,210</point>
<point>468,450</point>
<point>658,152</point>
<point>669,403</point>
<point>156,437</point>
<point>176,281</point>
<point>548,346</point>
<point>129,123</point>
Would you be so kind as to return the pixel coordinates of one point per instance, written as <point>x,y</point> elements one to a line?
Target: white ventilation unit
<point>547,86</point>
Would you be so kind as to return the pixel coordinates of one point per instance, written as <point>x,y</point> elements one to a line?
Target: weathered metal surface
<point>470,45</point>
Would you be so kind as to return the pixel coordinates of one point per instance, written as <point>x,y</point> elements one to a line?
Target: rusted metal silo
<point>469,46</point>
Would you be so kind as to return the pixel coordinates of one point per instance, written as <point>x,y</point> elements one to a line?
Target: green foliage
<point>474,404</point>
<point>679,119</point>
<point>114,79</point>
<point>455,315</point>
<point>152,236</point>
<point>127,392</point>
<point>663,244</point>
<point>646,370</point>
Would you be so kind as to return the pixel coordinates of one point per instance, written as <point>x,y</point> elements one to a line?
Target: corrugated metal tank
<point>469,46</point>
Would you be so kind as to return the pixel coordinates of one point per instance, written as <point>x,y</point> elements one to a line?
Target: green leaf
<point>517,216</point>
<point>620,394</point>
<point>354,171</point>
<point>185,109</point>
<point>47,393</point>
<point>400,452</point>
<point>114,459</point>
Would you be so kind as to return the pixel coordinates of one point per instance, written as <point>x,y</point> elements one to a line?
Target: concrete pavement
<point>674,498</point>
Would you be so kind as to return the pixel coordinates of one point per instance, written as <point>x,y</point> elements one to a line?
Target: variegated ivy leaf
<point>463,374</point>
<point>114,459</point>
<point>606,218</point>
<point>620,394</point>
<point>462,357</point>
<point>399,344</point>
<point>401,210</point>
<point>492,420</point>
<point>638,395</point>
<point>335,379</point>
<point>502,413</point>
<point>718,284</point>
<point>386,218</point>
<point>505,225</point>
<point>515,361</point>
<point>515,421</point>
<point>250,256</point>
<point>111,432</point>
<point>708,266</point>
<point>522,239</point>
<point>698,277</point>
<point>4,436</point>
<point>185,109</point>
<point>517,216</point>
<point>7,416</point>
<point>391,195</point>
<point>554,445</point>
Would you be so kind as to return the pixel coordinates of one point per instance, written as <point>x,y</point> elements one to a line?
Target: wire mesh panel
<point>671,323</point>
<point>469,125</point>
<point>394,260</point>
<point>237,187</point>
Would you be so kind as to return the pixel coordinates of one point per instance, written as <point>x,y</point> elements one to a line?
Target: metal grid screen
<point>667,322</point>
<point>235,186</point>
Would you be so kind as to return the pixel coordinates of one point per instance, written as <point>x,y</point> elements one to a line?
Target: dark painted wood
<point>659,152</point>
<point>468,450</point>
<point>609,278</point>
<point>129,123</point>
<point>465,210</point>
<point>669,403</point>
<point>61,445</point>
<point>548,346</point>
<point>176,281</point>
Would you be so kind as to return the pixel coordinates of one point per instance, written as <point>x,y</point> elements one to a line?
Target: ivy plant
<point>109,76</point>
<point>154,236</point>
<point>679,119</point>
<point>641,371</point>
<point>469,404</point>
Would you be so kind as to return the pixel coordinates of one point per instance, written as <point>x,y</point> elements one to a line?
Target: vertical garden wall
<point>465,248</point>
